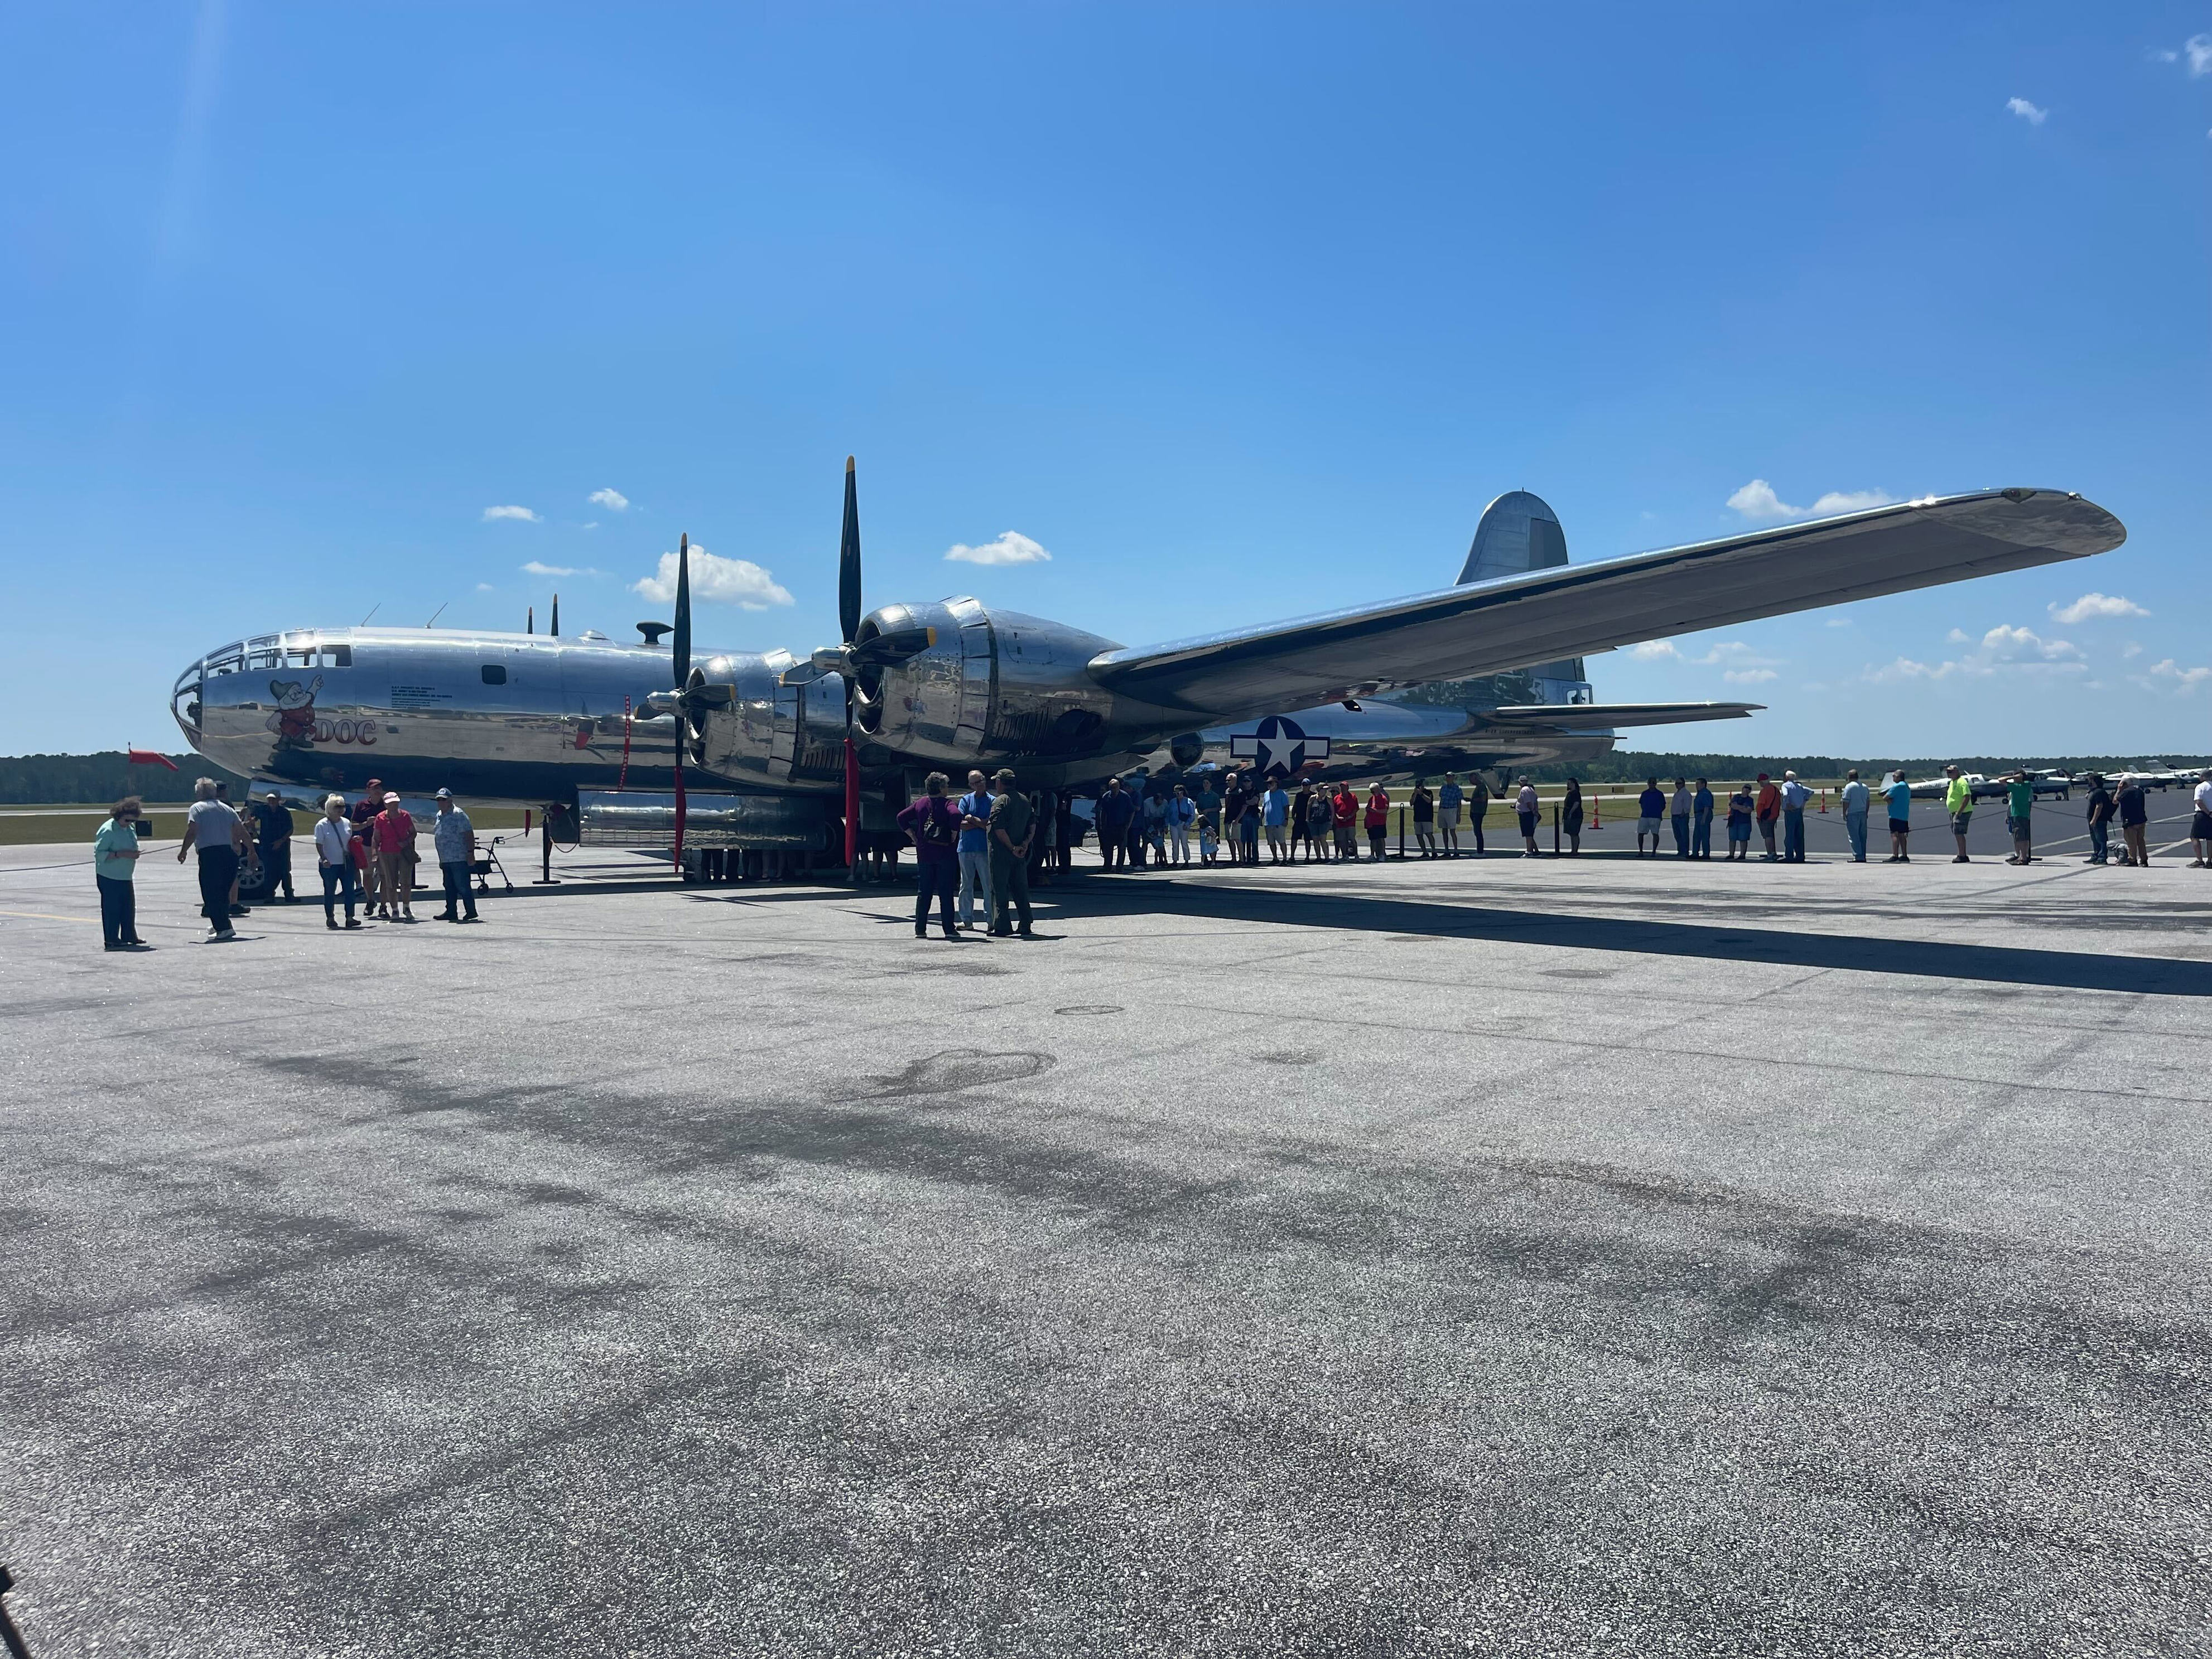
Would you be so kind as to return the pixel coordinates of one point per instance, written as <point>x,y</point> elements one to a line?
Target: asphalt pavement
<point>1501,1256</point>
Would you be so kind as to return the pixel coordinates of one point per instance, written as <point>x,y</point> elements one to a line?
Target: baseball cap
<point>445,794</point>
<point>392,800</point>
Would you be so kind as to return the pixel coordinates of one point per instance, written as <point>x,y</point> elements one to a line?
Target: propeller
<point>849,621</point>
<point>851,659</point>
<point>682,664</point>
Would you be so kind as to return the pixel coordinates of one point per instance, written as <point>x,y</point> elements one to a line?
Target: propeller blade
<point>682,609</point>
<point>848,559</point>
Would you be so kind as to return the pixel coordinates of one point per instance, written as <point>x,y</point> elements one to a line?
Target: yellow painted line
<point>40,915</point>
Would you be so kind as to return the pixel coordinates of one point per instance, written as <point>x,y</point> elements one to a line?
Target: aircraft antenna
<point>373,610</point>
<point>434,615</point>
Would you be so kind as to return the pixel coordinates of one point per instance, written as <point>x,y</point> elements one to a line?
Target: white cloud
<point>2003,649</point>
<point>522,513</point>
<point>1011,548</point>
<point>1735,654</point>
<point>2028,112</point>
<point>1851,501</point>
<point>2199,48</point>
<point>2129,650</point>
<point>2095,605</point>
<point>1838,622</point>
<point>486,587</point>
<point>2163,55</point>
<point>1741,664</point>
<point>721,581</point>
<point>538,569</point>
<point>1757,500</point>
<point>613,499</point>
<point>2181,679</point>
<point>1959,636</point>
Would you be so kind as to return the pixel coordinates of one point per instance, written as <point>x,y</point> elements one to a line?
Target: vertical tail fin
<point>1519,532</point>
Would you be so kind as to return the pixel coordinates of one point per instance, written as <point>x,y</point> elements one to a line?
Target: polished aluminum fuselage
<point>521,717</point>
<point>535,718</point>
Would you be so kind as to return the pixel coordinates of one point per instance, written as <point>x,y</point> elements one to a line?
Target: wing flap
<point>1598,716</point>
<point>1572,610</point>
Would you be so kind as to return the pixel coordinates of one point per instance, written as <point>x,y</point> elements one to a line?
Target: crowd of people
<point>366,853</point>
<point>978,854</point>
<point>1227,816</point>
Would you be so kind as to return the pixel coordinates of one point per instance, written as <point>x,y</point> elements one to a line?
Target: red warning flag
<point>151,757</point>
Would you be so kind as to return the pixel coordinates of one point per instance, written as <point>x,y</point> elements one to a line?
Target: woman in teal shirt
<point>115,862</point>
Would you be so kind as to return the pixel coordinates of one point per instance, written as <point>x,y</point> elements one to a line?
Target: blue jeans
<point>1793,835</point>
<point>1701,835</point>
<point>1854,827</point>
<point>338,879</point>
<point>118,910</point>
<point>2101,841</point>
<point>1682,837</point>
<point>934,879</point>
<point>974,884</point>
<point>456,878</point>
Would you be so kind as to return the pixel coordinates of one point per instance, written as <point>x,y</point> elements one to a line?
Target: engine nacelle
<point>762,729</point>
<point>992,684</point>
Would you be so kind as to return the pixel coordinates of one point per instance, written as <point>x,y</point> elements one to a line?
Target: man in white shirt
<point>334,854</point>
<point>1793,797</point>
<point>1855,799</point>
<point>1525,805</point>
<point>2200,827</point>
<point>212,826</point>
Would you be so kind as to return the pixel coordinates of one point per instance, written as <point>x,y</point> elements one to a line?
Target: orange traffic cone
<point>1824,800</point>
<point>1597,812</point>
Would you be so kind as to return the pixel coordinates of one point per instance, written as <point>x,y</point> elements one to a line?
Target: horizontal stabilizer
<point>1590,716</point>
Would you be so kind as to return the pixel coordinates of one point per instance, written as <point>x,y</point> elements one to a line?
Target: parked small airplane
<point>805,754</point>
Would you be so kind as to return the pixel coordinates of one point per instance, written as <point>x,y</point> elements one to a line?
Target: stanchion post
<point>1401,832</point>
<point>1555,828</point>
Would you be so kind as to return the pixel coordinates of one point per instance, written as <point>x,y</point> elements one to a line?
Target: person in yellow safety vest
<point>1959,802</point>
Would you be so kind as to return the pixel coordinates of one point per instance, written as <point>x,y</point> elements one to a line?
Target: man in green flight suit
<point>1012,822</point>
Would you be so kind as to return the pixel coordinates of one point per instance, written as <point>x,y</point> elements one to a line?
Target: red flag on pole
<point>151,757</point>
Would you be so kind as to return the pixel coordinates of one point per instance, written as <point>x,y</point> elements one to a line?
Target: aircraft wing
<point>1598,716</point>
<point>1567,611</point>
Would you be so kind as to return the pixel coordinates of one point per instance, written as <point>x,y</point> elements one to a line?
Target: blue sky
<point>1236,312</point>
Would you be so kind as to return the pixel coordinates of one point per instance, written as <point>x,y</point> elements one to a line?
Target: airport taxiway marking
<point>40,915</point>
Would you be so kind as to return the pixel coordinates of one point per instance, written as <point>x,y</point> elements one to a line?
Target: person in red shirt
<point>1378,821</point>
<point>1768,813</point>
<point>1344,809</point>
<point>395,860</point>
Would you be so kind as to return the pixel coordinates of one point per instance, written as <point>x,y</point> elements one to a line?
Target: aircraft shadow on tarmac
<point>2068,970</point>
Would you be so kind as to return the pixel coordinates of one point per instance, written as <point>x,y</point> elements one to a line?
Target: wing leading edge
<point>1489,627</point>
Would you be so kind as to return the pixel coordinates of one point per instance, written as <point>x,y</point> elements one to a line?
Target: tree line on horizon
<point>105,777</point>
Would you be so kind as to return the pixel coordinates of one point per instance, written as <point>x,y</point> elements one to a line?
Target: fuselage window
<point>494,674</point>
<point>339,656</point>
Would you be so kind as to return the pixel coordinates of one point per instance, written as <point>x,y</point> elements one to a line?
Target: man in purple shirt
<point>933,824</point>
